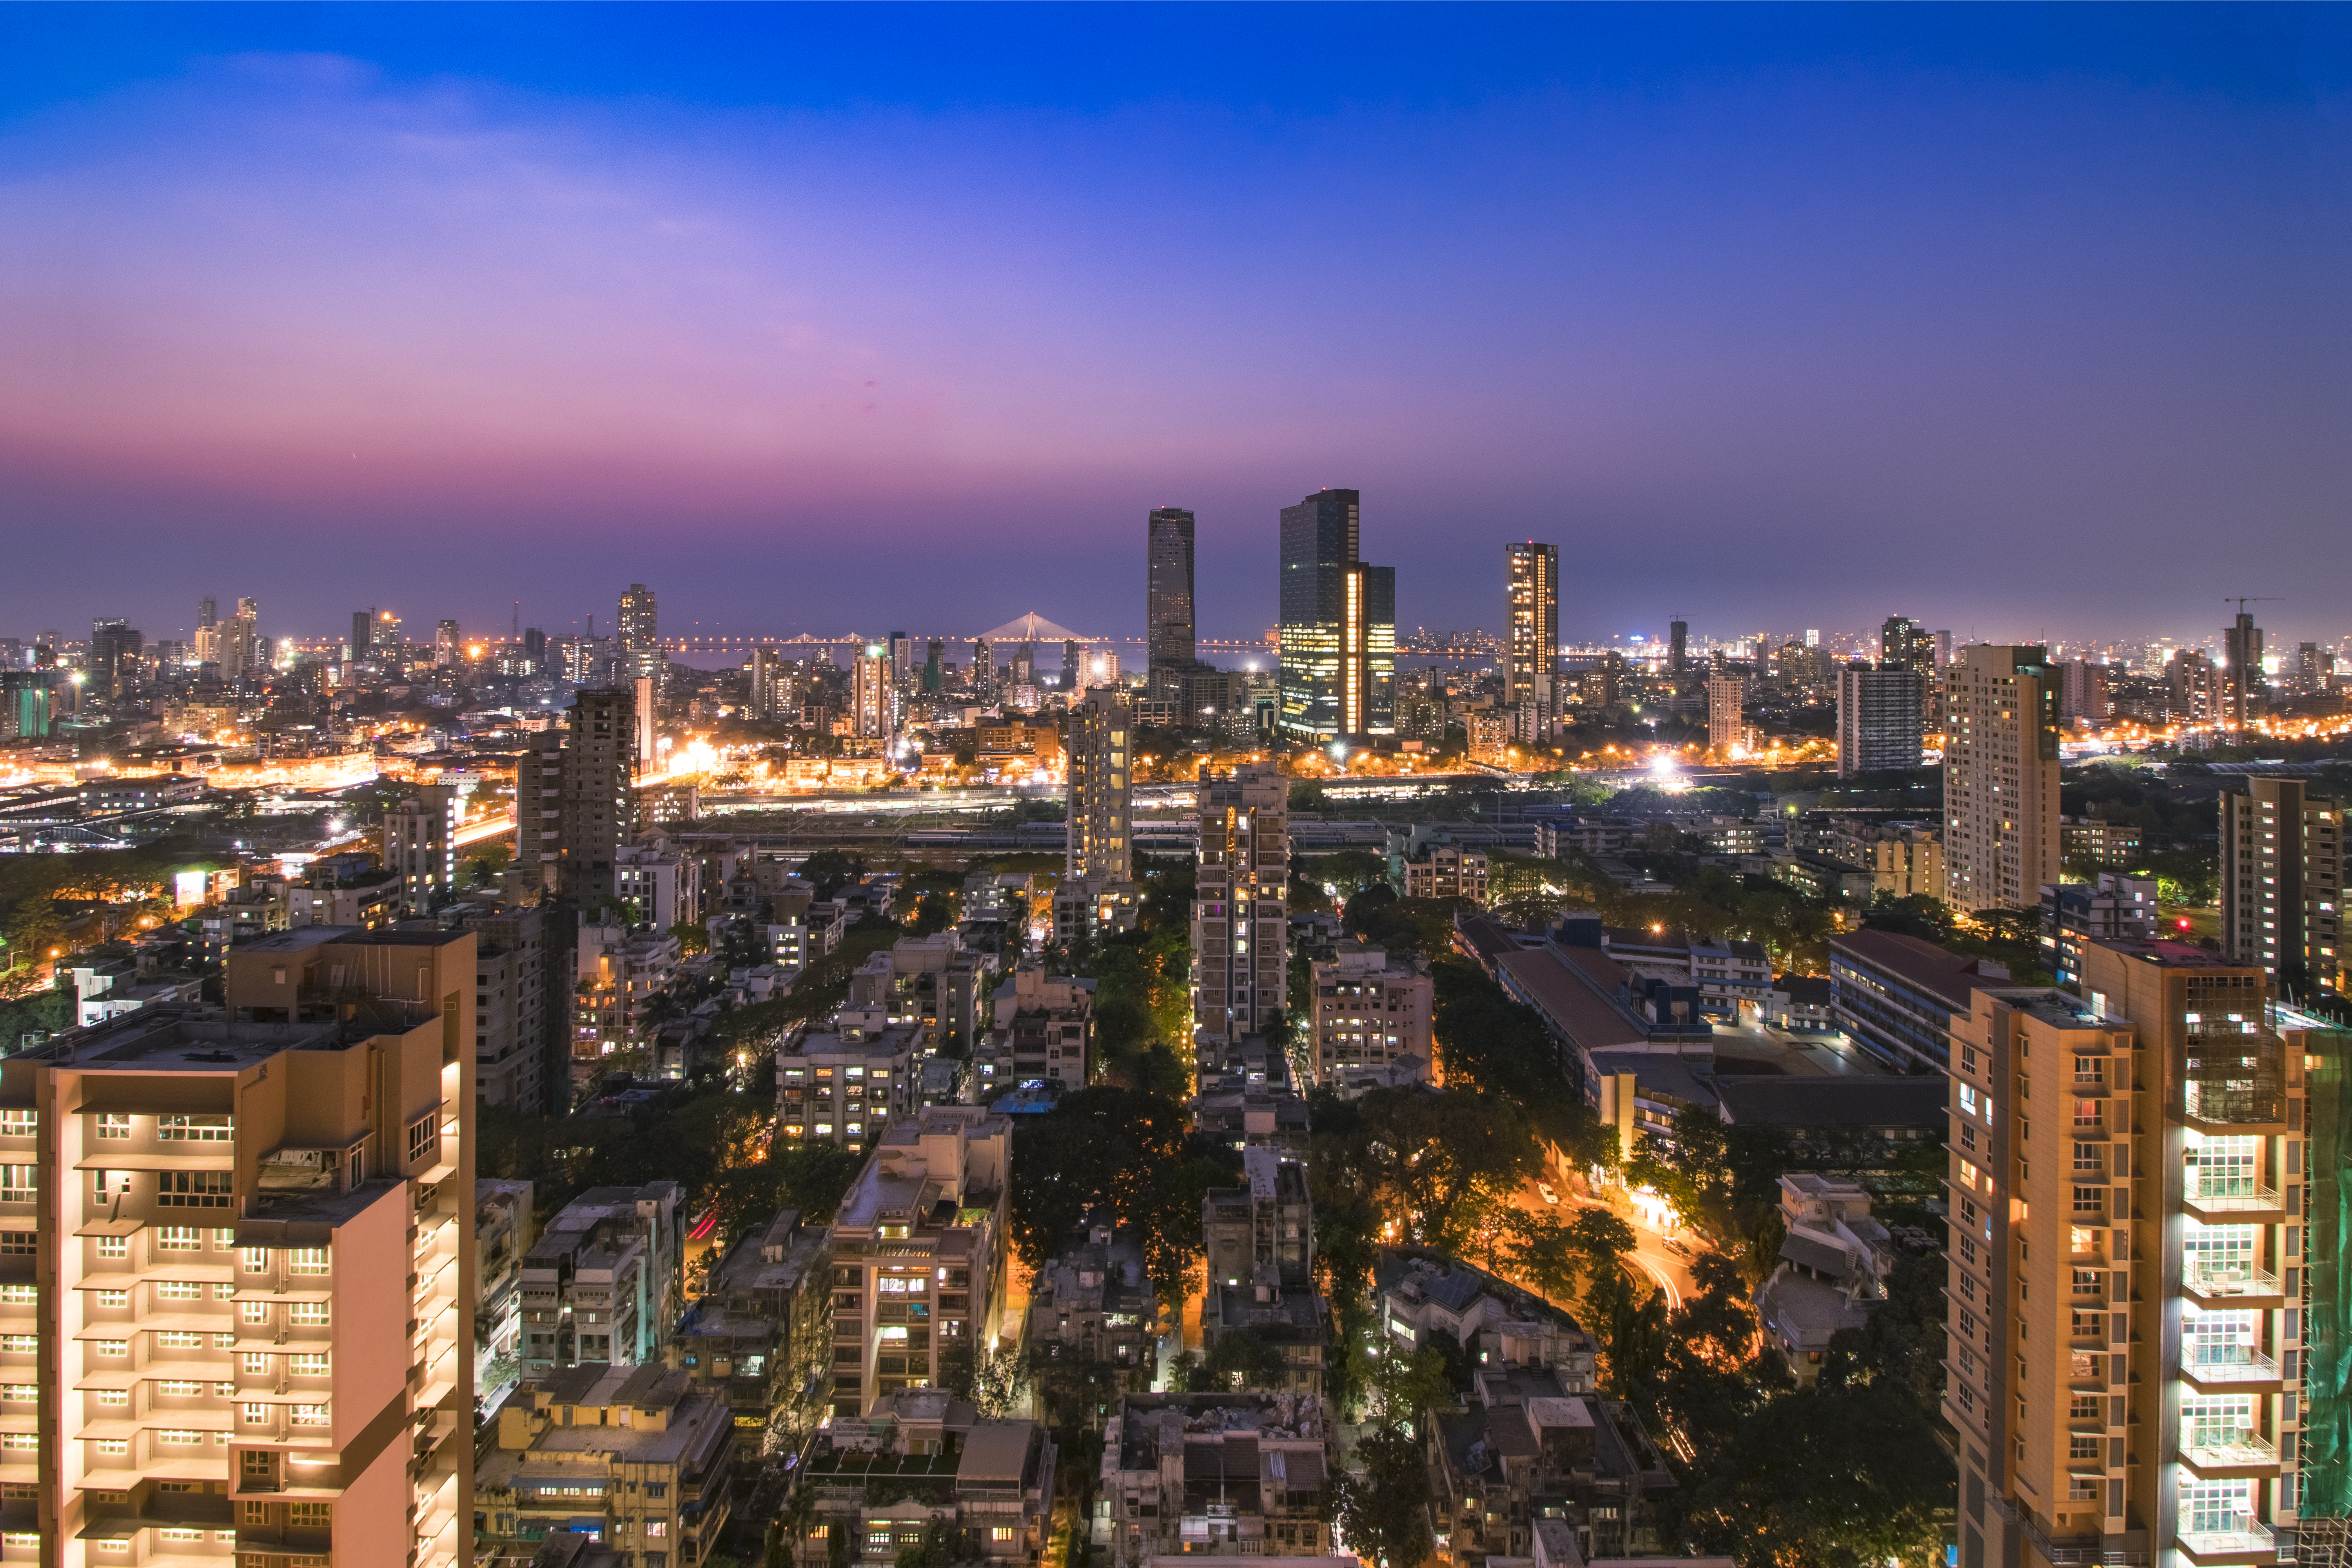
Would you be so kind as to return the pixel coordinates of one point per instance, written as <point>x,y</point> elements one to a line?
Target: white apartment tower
<point>2001,777</point>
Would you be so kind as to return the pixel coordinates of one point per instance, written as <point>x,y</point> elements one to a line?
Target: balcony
<point>2246,1287</point>
<point>2242,1453</point>
<point>2244,1203</point>
<point>2248,1374</point>
<point>2248,1541</point>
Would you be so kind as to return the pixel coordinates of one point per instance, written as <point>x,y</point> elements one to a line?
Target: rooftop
<point>1858,1101</point>
<point>192,1038</point>
<point>1942,974</point>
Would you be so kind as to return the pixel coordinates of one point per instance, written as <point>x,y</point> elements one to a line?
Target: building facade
<point>1369,1014</point>
<point>2282,883</point>
<point>1531,622</point>
<point>1101,788</point>
<point>1241,929</point>
<point>420,846</point>
<point>601,1284</point>
<point>1339,625</point>
<point>1726,728</point>
<point>575,800</point>
<point>2001,777</point>
<point>1167,601</point>
<point>245,1258</point>
<point>1881,718</point>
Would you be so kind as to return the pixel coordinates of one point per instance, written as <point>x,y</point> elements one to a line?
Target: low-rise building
<point>1087,909</point>
<point>843,1085</point>
<point>620,970</point>
<point>1218,1475</point>
<point>601,1283</point>
<point>1896,995</point>
<point>504,1230</point>
<point>1260,1241</point>
<point>1369,1013</point>
<point>1833,1264</point>
<point>631,1456</point>
<point>1094,1302</point>
<point>1446,871</point>
<point>1041,1028</point>
<point>2098,842</point>
<point>1424,1293</point>
<point>925,1464</point>
<point>760,1335</point>
<point>664,888</point>
<point>1526,1450</point>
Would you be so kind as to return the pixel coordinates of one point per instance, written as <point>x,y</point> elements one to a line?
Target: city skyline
<point>552,307</point>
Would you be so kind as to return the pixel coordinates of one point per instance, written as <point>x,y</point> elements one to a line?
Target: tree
<point>1404,1382</point>
<point>1243,1358</point>
<point>1384,1511</point>
<point>1545,1255</point>
<point>1839,1477</point>
<point>830,870</point>
<point>994,1380</point>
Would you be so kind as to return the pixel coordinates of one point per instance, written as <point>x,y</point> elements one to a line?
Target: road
<point>1656,1255</point>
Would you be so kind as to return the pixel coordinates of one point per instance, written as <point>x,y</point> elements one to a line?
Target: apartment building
<point>918,1249</point>
<point>420,847</point>
<point>1093,1300</point>
<point>2100,842</point>
<point>760,1334</point>
<point>1043,1028</point>
<point>575,804</point>
<point>1523,1453</point>
<point>633,1456</point>
<point>844,1085</point>
<point>1901,998</point>
<point>2127,1343</point>
<point>1446,871</point>
<point>1101,815</point>
<point>1221,1475</point>
<point>505,1227</point>
<point>1370,1015</point>
<point>1260,1241</point>
<point>522,1006</point>
<point>237,1286</point>
<point>928,1461</point>
<point>2000,776</point>
<point>662,888</point>
<point>602,1282</point>
<point>1424,1294</point>
<point>1241,933</point>
<point>2282,883</point>
<point>929,982</point>
<point>2108,909</point>
<point>1881,716</point>
<point>619,970</point>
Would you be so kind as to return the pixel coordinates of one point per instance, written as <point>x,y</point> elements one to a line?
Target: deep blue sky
<point>2025,320</point>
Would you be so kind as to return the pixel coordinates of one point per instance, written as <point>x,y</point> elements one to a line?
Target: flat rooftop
<point>304,937</point>
<point>192,1037</point>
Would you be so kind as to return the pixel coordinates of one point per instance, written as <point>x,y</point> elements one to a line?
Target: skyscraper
<point>2083,692</point>
<point>771,685</point>
<point>420,846</point>
<point>1339,625</point>
<point>1169,647</point>
<point>2242,660</point>
<point>932,676</point>
<point>575,797</point>
<point>905,672</point>
<point>114,645</point>
<point>2134,1363</point>
<point>1101,835</point>
<point>1531,620</point>
<point>871,704</point>
<point>1880,719</point>
<point>1677,646</point>
<point>444,643</point>
<point>2282,883</point>
<point>1726,728</point>
<point>2001,777</point>
<point>639,637</point>
<point>207,617</point>
<point>1241,931</point>
<point>362,635</point>
<point>983,672</point>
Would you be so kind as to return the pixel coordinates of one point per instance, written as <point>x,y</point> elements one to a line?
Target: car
<point>1544,1188</point>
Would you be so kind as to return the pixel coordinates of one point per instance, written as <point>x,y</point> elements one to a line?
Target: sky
<point>2027,322</point>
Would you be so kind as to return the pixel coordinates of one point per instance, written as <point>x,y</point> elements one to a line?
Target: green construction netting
<point>2327,1269</point>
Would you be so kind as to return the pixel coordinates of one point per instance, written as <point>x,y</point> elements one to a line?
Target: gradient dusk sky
<point>2024,320</point>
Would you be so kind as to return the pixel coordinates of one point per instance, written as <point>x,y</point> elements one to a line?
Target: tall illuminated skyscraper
<point>1531,621</point>
<point>1339,625</point>
<point>1241,930</point>
<point>1168,601</point>
<point>2001,777</point>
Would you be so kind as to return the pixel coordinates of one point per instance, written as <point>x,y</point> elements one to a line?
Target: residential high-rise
<point>1905,644</point>
<point>1101,829</point>
<point>207,618</point>
<point>983,672</point>
<point>2194,688</point>
<point>1167,601</point>
<point>1241,931</point>
<point>1070,666</point>
<point>248,1262</point>
<point>2242,668</point>
<point>575,798</point>
<point>646,710</point>
<point>420,846</point>
<point>872,704</point>
<point>1943,648</point>
<point>1531,621</point>
<point>905,672</point>
<point>771,685</point>
<point>1881,718</point>
<point>1677,646</point>
<point>2315,668</point>
<point>444,643</point>
<point>114,647</point>
<point>2282,883</point>
<point>931,675</point>
<point>362,635</point>
<point>1726,731</point>
<point>637,636</point>
<point>2001,777</point>
<point>1339,625</point>
<point>2083,692</point>
<point>2138,1311</point>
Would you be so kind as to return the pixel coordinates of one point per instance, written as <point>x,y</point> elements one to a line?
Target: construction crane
<point>2242,600</point>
